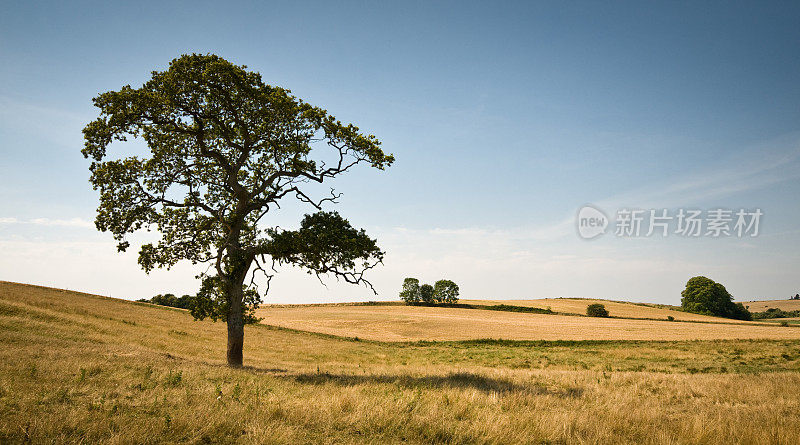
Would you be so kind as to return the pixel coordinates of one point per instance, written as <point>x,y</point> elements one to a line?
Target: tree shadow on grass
<point>256,370</point>
<point>459,380</point>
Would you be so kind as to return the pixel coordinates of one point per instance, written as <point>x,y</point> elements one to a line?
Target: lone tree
<point>596,310</point>
<point>224,150</point>
<point>705,296</point>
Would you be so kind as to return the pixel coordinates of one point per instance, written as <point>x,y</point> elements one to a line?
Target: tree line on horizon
<point>701,296</point>
<point>442,292</point>
<point>183,302</point>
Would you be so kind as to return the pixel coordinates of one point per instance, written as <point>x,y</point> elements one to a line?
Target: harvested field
<point>784,305</point>
<point>411,323</point>
<point>615,308</point>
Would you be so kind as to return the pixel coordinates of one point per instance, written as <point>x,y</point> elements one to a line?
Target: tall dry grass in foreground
<point>78,368</point>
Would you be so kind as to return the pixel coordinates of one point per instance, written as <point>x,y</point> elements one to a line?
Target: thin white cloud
<point>73,222</point>
<point>760,166</point>
<point>756,167</point>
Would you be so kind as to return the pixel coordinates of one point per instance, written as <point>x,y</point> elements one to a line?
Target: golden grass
<point>784,305</point>
<point>615,308</point>
<point>411,323</point>
<point>77,368</point>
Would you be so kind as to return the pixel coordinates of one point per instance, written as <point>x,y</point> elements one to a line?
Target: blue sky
<point>504,118</point>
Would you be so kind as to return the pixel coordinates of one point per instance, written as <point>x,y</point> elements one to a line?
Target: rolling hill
<point>784,305</point>
<point>615,308</point>
<point>81,368</point>
<point>413,323</point>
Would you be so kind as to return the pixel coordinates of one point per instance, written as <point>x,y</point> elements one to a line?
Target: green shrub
<point>775,313</point>
<point>596,310</point>
<point>670,318</point>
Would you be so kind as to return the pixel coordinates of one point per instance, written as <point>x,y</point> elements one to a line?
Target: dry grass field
<point>784,305</point>
<point>412,323</point>
<point>78,368</point>
<point>615,308</point>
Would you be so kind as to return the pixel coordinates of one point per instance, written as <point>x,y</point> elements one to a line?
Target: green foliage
<point>507,308</point>
<point>325,243</point>
<point>596,310</point>
<point>707,297</point>
<point>445,291</point>
<point>211,302</point>
<point>411,292</point>
<point>426,294</point>
<point>224,150</point>
<point>225,147</point>
<point>775,313</point>
<point>170,300</point>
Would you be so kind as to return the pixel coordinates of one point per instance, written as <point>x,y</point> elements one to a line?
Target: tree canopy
<point>597,310</point>
<point>445,291</point>
<point>224,150</point>
<point>705,296</point>
<point>426,294</point>
<point>410,293</point>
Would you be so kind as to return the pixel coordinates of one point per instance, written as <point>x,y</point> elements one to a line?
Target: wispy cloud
<point>756,167</point>
<point>73,222</point>
<point>57,125</point>
<point>772,162</point>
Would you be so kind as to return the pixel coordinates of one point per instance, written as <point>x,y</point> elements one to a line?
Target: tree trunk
<point>235,329</point>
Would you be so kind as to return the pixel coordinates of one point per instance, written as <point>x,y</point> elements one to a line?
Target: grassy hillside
<point>784,305</point>
<point>81,368</point>
<point>410,323</point>
<point>573,306</point>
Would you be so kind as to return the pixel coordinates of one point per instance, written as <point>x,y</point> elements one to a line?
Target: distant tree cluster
<point>183,302</point>
<point>796,297</point>
<point>707,297</point>
<point>596,310</point>
<point>775,313</point>
<point>443,291</point>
